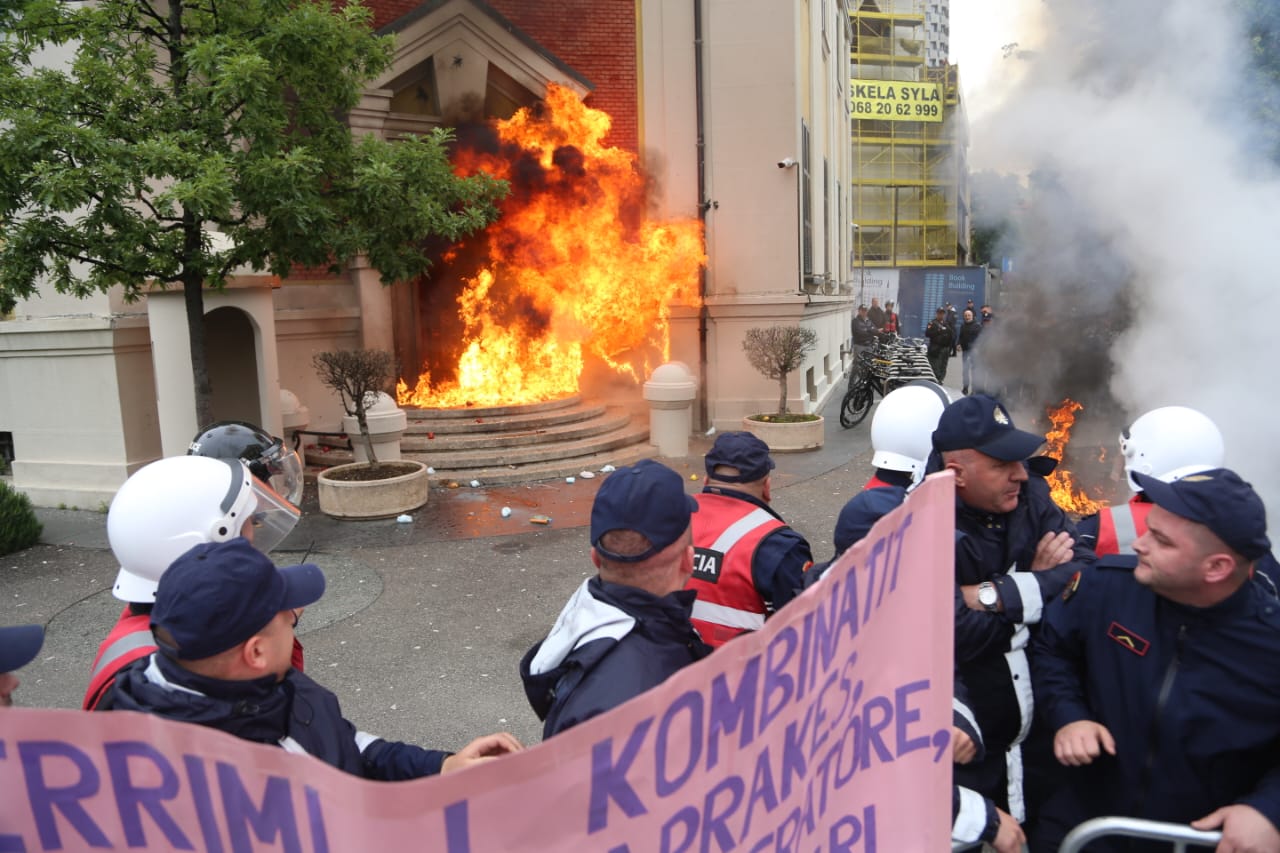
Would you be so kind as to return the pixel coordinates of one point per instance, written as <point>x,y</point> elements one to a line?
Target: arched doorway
<point>231,354</point>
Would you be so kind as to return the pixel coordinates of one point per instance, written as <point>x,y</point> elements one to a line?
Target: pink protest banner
<point>827,730</point>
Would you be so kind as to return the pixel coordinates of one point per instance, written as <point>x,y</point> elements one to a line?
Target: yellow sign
<point>890,100</point>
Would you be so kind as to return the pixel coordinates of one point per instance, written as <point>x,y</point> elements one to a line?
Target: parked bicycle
<point>878,370</point>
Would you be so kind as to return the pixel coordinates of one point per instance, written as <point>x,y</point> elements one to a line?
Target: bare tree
<point>357,375</point>
<point>775,351</point>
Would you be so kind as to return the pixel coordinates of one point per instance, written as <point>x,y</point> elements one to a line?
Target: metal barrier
<point>1179,834</point>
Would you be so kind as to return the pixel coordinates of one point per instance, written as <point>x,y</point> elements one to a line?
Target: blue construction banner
<point>922,290</point>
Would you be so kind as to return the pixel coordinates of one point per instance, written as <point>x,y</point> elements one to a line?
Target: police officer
<point>265,454</point>
<point>1160,680</point>
<point>1015,550</point>
<point>164,509</point>
<point>902,433</point>
<point>627,628</point>
<point>1166,443</point>
<point>747,561</point>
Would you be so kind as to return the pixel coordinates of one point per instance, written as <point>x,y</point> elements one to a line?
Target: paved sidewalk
<point>423,625</point>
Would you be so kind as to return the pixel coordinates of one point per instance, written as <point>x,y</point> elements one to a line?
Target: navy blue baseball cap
<point>740,450</point>
<point>648,498</point>
<point>981,423</point>
<point>1219,500</point>
<point>863,510</point>
<point>19,646</point>
<point>219,594</point>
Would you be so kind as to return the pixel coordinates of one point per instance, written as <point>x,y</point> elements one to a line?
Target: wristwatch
<point>988,596</point>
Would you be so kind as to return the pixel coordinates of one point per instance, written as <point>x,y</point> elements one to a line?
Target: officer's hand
<point>1244,830</point>
<point>1009,837</point>
<point>1054,549</point>
<point>1078,743</point>
<point>483,748</point>
<point>963,749</point>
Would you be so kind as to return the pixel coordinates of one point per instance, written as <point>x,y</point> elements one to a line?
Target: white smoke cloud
<point>1136,108</point>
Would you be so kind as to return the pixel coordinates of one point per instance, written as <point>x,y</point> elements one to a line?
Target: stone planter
<point>372,498</point>
<point>387,423</point>
<point>805,435</point>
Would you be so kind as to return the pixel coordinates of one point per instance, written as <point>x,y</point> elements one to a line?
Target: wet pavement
<point>421,630</point>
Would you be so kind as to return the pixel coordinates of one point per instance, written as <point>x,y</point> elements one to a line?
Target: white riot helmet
<point>1169,443</point>
<point>170,506</point>
<point>902,427</point>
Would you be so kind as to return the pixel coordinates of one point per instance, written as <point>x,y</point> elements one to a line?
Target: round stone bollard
<point>670,392</point>
<point>293,416</point>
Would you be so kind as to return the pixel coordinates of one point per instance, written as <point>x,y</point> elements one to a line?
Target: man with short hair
<point>967,343</point>
<point>223,621</point>
<point>19,645</point>
<point>1015,550</point>
<point>748,563</point>
<point>627,628</point>
<point>864,333</point>
<point>942,340</point>
<point>876,314</point>
<point>1159,680</point>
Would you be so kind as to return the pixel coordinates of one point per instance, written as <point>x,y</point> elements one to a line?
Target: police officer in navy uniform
<point>747,561</point>
<point>1015,550</point>
<point>626,629</point>
<point>1162,681</point>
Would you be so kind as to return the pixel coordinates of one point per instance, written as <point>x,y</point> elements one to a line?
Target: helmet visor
<point>286,473</point>
<point>273,518</point>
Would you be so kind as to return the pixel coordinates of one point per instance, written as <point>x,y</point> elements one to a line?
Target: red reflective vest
<point>129,640</point>
<point>1120,526</point>
<point>726,532</point>
<point>876,483</point>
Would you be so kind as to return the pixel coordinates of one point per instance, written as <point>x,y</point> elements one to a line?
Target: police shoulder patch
<point>1071,587</point>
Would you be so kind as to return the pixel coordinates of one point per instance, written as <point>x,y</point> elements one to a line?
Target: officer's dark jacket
<point>610,643</point>
<point>1000,549</point>
<point>294,713</point>
<point>1191,695</point>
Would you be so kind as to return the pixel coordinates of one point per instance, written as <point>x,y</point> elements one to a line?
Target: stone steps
<point>515,444</point>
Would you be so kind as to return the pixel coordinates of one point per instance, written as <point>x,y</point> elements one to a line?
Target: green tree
<point>167,123</point>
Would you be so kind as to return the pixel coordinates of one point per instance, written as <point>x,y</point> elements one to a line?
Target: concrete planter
<point>373,498</point>
<point>805,435</point>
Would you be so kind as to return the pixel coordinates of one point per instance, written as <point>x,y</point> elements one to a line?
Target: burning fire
<point>575,270</point>
<point>1062,486</point>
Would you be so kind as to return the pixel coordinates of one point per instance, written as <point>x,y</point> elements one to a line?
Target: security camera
<point>786,163</point>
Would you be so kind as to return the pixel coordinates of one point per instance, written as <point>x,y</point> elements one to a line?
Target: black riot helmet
<point>267,457</point>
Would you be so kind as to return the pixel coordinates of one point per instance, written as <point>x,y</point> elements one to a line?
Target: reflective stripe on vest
<point>734,532</point>
<point>129,642</point>
<point>730,617</point>
<point>1120,526</point>
<point>1126,529</point>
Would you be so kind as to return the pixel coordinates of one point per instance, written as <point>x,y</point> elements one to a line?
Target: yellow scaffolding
<point>909,197</point>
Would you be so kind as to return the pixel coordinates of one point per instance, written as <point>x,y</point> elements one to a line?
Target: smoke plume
<point>1146,244</point>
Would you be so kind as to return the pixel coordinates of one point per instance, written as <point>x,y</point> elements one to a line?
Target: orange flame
<point>575,270</point>
<point>1062,486</point>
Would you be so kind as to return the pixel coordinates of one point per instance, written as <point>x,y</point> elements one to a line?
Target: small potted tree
<point>370,488</point>
<point>776,351</point>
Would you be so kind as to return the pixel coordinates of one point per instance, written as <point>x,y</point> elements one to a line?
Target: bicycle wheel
<point>855,405</point>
